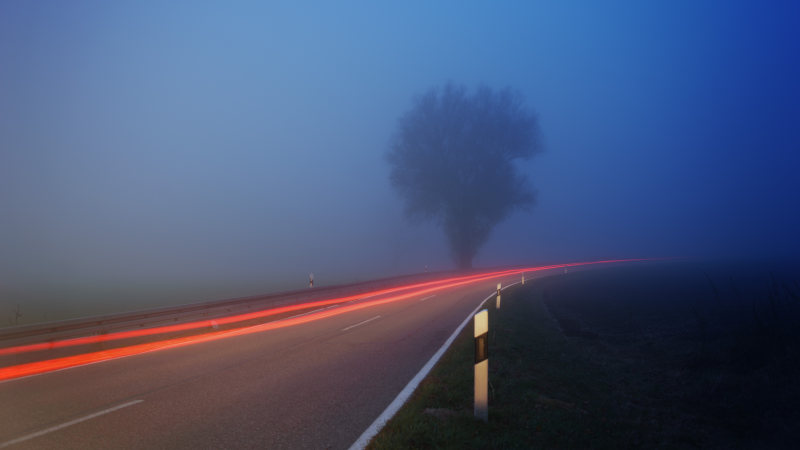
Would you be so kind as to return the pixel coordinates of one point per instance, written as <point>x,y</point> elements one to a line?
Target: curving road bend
<point>316,384</point>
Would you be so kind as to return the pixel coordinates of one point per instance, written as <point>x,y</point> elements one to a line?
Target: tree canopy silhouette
<point>452,160</point>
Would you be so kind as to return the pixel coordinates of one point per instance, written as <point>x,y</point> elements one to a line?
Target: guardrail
<point>209,310</point>
<point>66,329</point>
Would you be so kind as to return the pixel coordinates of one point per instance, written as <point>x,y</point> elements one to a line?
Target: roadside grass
<point>644,358</point>
<point>746,360</point>
<point>545,391</point>
<point>28,305</point>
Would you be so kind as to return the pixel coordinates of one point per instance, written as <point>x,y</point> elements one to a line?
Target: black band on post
<point>482,348</point>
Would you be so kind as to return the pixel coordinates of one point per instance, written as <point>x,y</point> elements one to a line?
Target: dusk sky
<point>243,144</point>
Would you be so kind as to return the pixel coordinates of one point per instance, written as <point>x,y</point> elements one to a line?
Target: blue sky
<point>195,142</point>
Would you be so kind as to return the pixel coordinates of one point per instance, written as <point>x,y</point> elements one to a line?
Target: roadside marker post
<point>497,302</point>
<point>311,280</point>
<point>481,335</point>
<point>523,278</point>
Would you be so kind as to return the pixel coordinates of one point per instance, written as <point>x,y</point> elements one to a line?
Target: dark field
<point>708,355</point>
<point>656,355</point>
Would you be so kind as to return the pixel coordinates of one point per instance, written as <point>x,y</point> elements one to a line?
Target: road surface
<point>318,384</point>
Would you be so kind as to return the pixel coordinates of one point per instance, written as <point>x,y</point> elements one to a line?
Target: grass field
<point>653,356</point>
<point>47,303</point>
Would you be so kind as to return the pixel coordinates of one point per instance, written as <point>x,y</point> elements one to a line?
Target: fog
<point>158,152</point>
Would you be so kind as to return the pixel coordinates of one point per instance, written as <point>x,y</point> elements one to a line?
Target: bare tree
<point>452,160</point>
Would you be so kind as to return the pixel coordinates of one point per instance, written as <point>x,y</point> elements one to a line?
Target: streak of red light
<point>84,340</point>
<point>23,370</point>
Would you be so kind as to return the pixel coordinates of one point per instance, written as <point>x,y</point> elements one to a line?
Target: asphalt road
<point>311,385</point>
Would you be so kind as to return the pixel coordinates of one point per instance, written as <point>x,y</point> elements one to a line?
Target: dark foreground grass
<point>544,392</point>
<point>658,356</point>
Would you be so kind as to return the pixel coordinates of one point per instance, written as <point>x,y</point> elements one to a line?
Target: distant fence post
<point>481,335</point>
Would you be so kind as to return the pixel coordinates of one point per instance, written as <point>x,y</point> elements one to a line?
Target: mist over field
<point>157,153</point>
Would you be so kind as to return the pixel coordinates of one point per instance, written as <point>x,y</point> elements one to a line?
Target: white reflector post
<point>482,365</point>
<point>523,278</point>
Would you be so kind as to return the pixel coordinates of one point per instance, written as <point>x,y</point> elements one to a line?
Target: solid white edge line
<point>361,323</point>
<point>67,424</point>
<point>401,398</point>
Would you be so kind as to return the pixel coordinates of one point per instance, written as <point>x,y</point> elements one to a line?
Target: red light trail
<point>28,369</point>
<point>219,321</point>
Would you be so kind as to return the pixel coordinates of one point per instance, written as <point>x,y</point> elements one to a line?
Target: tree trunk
<point>464,260</point>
